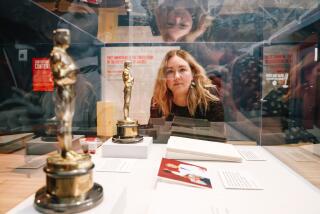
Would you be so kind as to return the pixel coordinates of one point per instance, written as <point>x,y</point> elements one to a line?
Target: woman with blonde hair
<point>183,89</point>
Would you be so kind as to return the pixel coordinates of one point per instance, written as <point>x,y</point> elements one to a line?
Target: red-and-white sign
<point>42,79</point>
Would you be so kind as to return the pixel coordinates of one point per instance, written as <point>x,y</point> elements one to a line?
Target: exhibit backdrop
<point>145,63</point>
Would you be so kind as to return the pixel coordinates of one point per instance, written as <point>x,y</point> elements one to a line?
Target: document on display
<point>220,210</point>
<point>238,180</point>
<point>174,171</point>
<point>194,149</point>
<point>114,165</point>
<point>250,155</point>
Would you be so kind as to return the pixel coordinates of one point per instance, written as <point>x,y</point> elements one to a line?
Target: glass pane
<point>290,80</point>
<point>26,39</point>
<point>281,17</point>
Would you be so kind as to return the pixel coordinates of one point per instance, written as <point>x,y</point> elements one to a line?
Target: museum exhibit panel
<point>90,120</point>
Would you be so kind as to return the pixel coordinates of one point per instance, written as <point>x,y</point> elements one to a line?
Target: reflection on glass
<point>198,129</point>
<point>28,30</point>
<point>292,108</point>
<point>234,41</point>
<point>183,20</point>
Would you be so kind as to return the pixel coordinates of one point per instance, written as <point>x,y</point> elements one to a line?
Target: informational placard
<point>276,66</point>
<point>145,64</point>
<point>42,79</point>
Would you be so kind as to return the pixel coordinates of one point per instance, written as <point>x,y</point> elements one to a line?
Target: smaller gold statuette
<point>127,129</point>
<point>70,187</point>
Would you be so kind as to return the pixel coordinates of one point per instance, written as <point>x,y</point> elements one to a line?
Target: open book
<point>184,173</point>
<point>193,149</point>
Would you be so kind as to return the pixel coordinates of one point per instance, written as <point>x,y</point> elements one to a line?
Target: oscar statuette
<point>69,184</point>
<point>127,129</point>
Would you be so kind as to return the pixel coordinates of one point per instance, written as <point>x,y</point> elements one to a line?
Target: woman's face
<point>178,76</point>
<point>179,23</point>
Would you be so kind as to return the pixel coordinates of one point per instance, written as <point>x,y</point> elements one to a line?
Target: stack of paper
<point>193,149</point>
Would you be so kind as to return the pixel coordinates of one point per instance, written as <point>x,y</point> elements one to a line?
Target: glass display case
<point>255,53</point>
<point>261,57</point>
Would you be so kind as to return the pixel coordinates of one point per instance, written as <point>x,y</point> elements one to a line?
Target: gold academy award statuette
<point>70,187</point>
<point>127,129</point>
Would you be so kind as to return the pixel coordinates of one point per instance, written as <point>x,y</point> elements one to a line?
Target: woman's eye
<point>183,26</point>
<point>182,70</point>
<point>168,72</point>
<point>170,24</point>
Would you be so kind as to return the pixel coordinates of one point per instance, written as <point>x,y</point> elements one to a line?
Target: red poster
<point>42,79</point>
<point>184,173</point>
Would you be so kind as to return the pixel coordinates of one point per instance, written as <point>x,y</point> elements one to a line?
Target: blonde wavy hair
<point>198,94</point>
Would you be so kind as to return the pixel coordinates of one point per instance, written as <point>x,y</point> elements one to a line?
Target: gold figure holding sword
<point>128,81</point>
<point>64,72</point>
<point>69,184</point>
<point>127,129</point>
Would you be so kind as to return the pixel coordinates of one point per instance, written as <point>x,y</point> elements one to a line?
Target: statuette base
<point>47,203</point>
<point>118,139</point>
<point>127,132</point>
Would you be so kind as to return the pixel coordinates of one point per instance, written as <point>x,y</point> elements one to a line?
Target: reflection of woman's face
<point>178,76</point>
<point>179,23</point>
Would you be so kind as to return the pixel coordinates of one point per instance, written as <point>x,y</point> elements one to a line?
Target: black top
<point>214,112</point>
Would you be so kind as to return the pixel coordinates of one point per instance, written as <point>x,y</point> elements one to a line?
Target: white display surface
<point>283,192</point>
<point>114,202</point>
